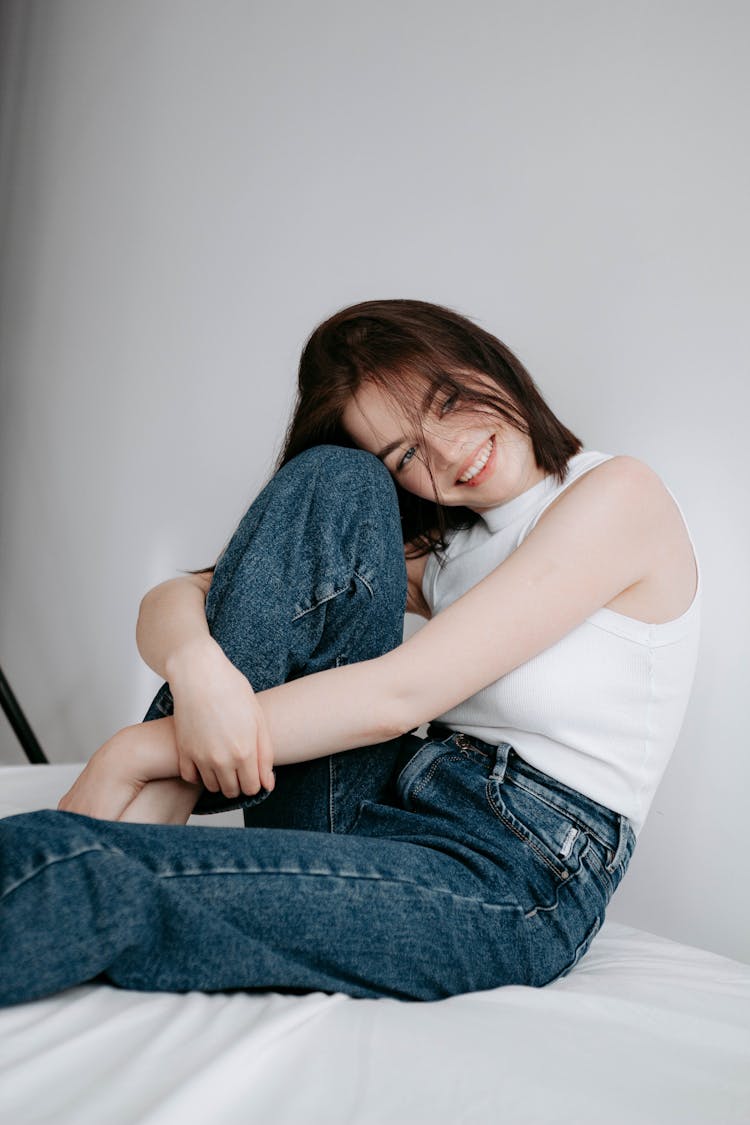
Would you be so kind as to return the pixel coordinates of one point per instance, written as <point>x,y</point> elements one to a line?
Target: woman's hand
<point>221,732</point>
<point>134,777</point>
<point>110,780</point>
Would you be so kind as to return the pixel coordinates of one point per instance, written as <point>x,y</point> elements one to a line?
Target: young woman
<point>423,472</point>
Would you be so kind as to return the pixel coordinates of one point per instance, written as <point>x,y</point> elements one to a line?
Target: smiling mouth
<point>480,466</point>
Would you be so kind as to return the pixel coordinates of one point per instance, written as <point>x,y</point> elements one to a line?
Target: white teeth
<point>480,462</point>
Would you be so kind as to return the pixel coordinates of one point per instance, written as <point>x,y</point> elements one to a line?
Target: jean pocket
<point>548,832</point>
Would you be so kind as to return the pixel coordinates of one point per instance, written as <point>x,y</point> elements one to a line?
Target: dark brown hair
<point>406,346</point>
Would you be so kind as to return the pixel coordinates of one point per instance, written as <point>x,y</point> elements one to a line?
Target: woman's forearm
<point>325,712</point>
<point>117,773</point>
<point>172,623</point>
<point>338,709</point>
<point>165,801</point>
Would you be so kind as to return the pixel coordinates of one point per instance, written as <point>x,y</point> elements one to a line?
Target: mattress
<point>644,1029</point>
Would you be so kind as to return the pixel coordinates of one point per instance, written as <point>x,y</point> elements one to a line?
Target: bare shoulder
<point>624,494</point>
<point>623,475</point>
<point>629,474</point>
<point>621,487</point>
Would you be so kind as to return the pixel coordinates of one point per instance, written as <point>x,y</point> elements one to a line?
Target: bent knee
<point>339,460</point>
<point>351,471</point>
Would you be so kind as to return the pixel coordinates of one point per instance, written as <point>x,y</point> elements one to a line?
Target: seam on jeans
<point>407,763</point>
<point>525,837</point>
<point>54,860</point>
<point>364,582</point>
<point>353,875</point>
<point>428,776</point>
<point>327,598</point>
<point>561,886</point>
<point>331,784</point>
<point>581,949</point>
<point>599,872</point>
<point>336,593</point>
<point>579,823</point>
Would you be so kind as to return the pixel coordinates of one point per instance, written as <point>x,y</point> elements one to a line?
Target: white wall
<point>190,187</point>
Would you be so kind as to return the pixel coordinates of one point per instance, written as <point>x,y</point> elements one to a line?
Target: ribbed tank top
<point>602,708</point>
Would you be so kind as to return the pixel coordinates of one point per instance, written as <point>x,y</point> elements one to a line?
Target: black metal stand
<point>17,720</point>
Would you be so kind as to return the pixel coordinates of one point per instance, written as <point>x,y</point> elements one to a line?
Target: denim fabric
<point>417,868</point>
<point>313,577</point>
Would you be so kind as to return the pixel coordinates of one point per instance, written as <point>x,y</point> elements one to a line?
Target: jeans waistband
<point>612,829</point>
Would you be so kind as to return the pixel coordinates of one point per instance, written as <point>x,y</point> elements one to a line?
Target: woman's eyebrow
<point>383,453</point>
<point>427,400</point>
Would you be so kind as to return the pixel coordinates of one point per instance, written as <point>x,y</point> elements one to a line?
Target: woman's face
<point>478,459</point>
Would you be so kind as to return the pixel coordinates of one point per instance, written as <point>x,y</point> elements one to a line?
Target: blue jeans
<point>417,868</point>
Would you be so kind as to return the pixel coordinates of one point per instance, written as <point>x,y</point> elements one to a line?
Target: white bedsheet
<point>644,1030</point>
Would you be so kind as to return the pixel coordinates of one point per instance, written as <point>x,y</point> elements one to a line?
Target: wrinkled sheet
<point>645,1030</point>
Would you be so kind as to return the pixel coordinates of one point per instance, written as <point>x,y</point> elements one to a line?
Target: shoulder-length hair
<point>416,351</point>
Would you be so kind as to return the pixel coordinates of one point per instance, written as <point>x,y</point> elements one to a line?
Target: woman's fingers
<point>249,781</point>
<point>188,770</point>
<point>209,779</point>
<point>221,733</point>
<point>228,783</point>
<point>256,772</point>
<point>242,767</point>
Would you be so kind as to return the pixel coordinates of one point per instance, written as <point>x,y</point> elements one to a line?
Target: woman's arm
<point>172,621</point>
<point>118,775</point>
<point>220,736</point>
<point>602,537</point>
<point>614,538</point>
<point>220,733</point>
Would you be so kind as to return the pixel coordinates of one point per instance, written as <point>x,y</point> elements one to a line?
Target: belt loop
<point>501,762</point>
<point>622,844</point>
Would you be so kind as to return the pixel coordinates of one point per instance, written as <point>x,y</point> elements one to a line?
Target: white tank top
<point>601,709</point>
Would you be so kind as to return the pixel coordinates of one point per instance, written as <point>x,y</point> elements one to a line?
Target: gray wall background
<point>188,188</point>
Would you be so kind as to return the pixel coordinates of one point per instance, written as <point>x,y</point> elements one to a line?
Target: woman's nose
<point>448,449</point>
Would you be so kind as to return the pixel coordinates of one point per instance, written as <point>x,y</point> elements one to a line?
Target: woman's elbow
<point>148,606</point>
<point>140,625</point>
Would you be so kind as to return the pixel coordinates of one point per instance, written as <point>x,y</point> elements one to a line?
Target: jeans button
<point>463,742</point>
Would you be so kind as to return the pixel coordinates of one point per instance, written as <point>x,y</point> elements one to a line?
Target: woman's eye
<point>446,408</point>
<point>406,458</point>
